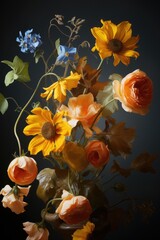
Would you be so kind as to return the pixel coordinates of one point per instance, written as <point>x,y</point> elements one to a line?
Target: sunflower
<point>50,131</point>
<point>60,87</point>
<point>116,40</point>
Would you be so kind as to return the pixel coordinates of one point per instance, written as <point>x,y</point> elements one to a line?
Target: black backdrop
<point>36,14</point>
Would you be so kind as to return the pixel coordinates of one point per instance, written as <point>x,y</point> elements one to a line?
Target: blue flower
<point>66,53</point>
<point>30,42</point>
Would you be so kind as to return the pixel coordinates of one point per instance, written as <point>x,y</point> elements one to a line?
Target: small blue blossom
<point>30,42</point>
<point>66,53</point>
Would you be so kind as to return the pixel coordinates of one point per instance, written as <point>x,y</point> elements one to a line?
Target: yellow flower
<point>75,156</point>
<point>82,234</point>
<point>115,40</point>
<point>60,87</point>
<point>49,131</point>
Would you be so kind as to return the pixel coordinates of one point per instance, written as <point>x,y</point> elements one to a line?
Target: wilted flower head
<point>13,198</point>
<point>35,232</point>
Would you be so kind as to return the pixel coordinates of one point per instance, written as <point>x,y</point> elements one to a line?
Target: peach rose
<point>35,232</point>
<point>134,92</point>
<point>75,156</point>
<point>14,201</point>
<point>22,170</point>
<point>97,153</point>
<point>74,209</point>
<point>84,109</point>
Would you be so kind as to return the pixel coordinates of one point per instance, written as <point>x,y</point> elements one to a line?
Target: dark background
<point>36,14</point>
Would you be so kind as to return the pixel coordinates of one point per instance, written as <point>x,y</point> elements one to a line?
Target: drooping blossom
<point>73,209</point>
<point>35,232</point>
<point>66,53</point>
<point>134,92</point>
<point>98,153</point>
<point>22,170</point>
<point>84,109</point>
<point>30,42</point>
<point>13,198</point>
<point>115,40</point>
<point>85,232</point>
<point>50,131</point>
<point>75,156</point>
<point>59,89</point>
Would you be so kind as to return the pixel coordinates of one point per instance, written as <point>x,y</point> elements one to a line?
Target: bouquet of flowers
<point>72,126</point>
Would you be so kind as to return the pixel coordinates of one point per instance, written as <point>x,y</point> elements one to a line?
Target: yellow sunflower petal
<point>72,80</point>
<point>98,33</point>
<point>48,146</point>
<point>116,59</point>
<point>131,42</point>
<point>58,94</point>
<point>125,60</point>
<point>59,143</point>
<point>34,118</point>
<point>123,31</point>
<point>36,145</point>
<point>131,53</point>
<point>32,129</point>
<point>63,128</point>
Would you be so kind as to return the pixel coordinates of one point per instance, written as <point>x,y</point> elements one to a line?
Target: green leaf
<point>10,64</point>
<point>19,72</point>
<point>9,78</point>
<point>3,104</point>
<point>105,98</point>
<point>21,69</point>
<point>37,55</point>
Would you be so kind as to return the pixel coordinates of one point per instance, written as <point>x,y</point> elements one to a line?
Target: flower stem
<point>23,109</point>
<point>100,64</point>
<point>47,206</point>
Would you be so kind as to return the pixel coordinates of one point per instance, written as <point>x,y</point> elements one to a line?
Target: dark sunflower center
<point>48,130</point>
<point>115,45</point>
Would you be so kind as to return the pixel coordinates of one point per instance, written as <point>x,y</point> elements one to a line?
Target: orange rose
<point>97,153</point>
<point>74,209</point>
<point>134,92</point>
<point>22,170</point>
<point>84,109</point>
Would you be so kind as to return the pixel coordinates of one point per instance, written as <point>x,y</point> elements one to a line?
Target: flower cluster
<point>73,127</point>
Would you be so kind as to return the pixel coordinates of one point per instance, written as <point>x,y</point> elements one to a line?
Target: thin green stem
<point>11,98</point>
<point>66,69</point>
<point>100,64</point>
<point>47,207</point>
<point>23,109</point>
